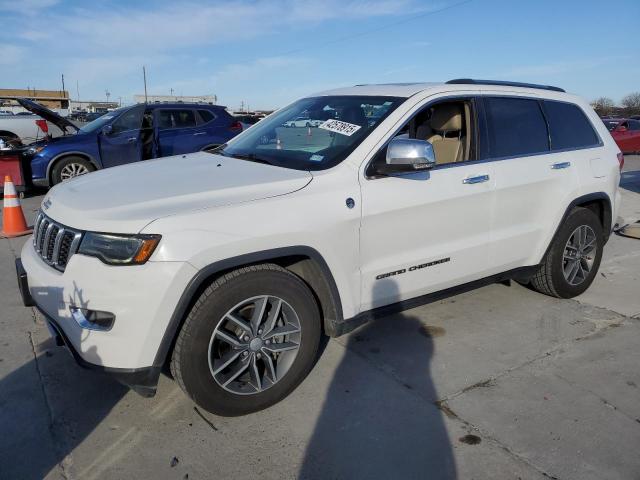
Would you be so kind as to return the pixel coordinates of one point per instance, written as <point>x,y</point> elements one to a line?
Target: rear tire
<point>573,258</point>
<point>70,167</point>
<point>221,337</point>
<point>11,139</point>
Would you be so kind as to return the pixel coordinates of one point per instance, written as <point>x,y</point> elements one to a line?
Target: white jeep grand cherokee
<point>228,266</point>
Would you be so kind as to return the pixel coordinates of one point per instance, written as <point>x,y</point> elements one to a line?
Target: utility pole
<point>63,83</point>
<point>78,90</point>
<point>144,76</point>
<point>172,92</point>
<point>107,94</point>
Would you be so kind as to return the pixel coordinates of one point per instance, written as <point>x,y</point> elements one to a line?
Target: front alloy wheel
<point>70,167</point>
<point>250,338</point>
<point>72,170</point>
<point>254,345</point>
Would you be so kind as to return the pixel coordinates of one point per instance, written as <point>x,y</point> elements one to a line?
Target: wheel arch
<point>62,156</point>
<point>8,134</point>
<point>305,262</point>
<point>597,202</point>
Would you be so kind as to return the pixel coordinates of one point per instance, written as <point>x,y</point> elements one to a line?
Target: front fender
<point>333,324</point>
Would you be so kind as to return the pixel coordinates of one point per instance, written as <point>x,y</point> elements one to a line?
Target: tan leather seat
<point>448,142</point>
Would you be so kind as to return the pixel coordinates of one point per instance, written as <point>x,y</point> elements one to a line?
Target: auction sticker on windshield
<point>337,126</point>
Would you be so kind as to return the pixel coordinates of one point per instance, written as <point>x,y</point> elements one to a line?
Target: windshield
<point>312,133</point>
<point>610,124</point>
<point>100,122</point>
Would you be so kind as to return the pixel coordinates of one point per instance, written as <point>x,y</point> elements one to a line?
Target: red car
<point>627,135</point>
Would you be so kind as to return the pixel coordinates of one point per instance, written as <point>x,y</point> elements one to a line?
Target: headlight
<point>35,150</point>
<point>115,249</point>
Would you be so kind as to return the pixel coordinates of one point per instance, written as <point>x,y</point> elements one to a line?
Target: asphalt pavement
<point>497,383</point>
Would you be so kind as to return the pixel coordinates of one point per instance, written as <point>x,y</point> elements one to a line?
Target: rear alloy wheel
<point>249,340</point>
<point>573,258</point>
<point>579,255</point>
<point>69,168</point>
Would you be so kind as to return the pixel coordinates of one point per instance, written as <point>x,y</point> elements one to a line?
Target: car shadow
<point>47,415</point>
<point>372,425</point>
<point>50,405</point>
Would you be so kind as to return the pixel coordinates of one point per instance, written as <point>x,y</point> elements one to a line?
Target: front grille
<point>54,242</point>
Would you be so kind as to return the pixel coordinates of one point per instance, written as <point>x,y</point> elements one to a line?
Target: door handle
<point>561,165</point>
<point>131,139</point>
<point>199,133</point>
<point>476,179</point>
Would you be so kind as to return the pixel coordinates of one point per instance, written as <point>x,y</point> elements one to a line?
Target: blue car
<point>126,135</point>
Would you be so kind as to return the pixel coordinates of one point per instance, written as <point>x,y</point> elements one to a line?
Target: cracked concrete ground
<point>499,382</point>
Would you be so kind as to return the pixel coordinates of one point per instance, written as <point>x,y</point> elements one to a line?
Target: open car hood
<point>50,116</point>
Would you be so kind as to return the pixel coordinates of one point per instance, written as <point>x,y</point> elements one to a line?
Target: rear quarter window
<point>569,127</point>
<point>206,116</point>
<point>516,127</point>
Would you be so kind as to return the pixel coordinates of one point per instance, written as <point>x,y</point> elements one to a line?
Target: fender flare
<point>590,197</point>
<point>196,284</point>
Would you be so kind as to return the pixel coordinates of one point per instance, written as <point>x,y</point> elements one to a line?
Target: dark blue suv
<point>126,135</point>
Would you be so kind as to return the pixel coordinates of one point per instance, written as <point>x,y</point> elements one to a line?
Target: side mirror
<point>621,128</point>
<point>107,130</point>
<point>407,155</point>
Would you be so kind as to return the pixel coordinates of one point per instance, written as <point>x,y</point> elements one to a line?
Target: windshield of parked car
<point>610,124</point>
<point>312,133</point>
<point>100,122</point>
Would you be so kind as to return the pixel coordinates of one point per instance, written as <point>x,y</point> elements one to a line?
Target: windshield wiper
<point>217,149</point>
<point>247,156</point>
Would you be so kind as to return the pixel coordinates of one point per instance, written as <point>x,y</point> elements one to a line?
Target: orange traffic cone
<point>13,221</point>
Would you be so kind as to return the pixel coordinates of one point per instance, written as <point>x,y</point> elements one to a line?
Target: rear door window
<point>176,119</point>
<point>515,127</point>
<point>569,127</point>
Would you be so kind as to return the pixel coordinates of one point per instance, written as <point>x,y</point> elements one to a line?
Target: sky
<point>269,53</point>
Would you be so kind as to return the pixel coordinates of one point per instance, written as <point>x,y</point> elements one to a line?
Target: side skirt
<point>350,324</point>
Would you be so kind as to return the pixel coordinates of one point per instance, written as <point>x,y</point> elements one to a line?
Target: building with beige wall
<point>54,99</point>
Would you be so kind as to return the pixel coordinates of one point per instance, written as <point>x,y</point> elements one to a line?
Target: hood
<point>50,116</point>
<point>125,199</point>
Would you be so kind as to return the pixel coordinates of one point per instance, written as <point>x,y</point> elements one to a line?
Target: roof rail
<point>471,81</point>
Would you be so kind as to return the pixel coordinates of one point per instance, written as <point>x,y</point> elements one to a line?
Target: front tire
<point>573,258</point>
<point>70,167</point>
<point>249,340</point>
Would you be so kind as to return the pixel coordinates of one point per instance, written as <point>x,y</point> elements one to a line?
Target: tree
<point>603,106</point>
<point>632,102</point>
